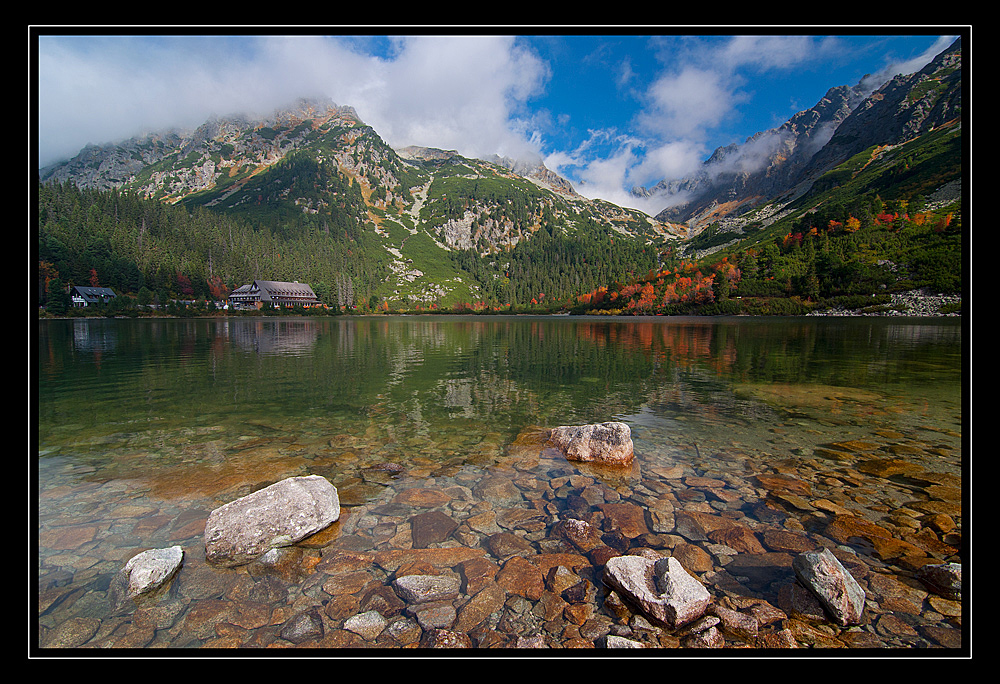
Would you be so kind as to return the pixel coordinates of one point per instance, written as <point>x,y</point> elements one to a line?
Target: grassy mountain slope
<point>314,195</point>
<point>869,228</point>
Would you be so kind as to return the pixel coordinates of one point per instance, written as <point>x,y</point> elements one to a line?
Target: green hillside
<point>865,231</point>
<point>374,233</point>
<point>323,200</point>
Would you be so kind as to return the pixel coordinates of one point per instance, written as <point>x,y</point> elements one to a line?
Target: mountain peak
<point>535,170</point>
<point>419,153</point>
<point>781,161</point>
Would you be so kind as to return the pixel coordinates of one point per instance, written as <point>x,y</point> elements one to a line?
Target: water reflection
<point>494,369</point>
<point>266,337</point>
<point>145,426</point>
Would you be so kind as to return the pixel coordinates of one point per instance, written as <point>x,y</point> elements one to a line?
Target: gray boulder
<point>822,574</point>
<point>944,579</point>
<point>662,589</point>
<point>609,443</point>
<point>143,574</point>
<point>303,627</point>
<point>275,516</point>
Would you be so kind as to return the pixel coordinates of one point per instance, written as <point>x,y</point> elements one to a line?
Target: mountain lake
<point>781,428</point>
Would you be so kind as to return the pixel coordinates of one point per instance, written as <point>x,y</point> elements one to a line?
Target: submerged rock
<point>609,443</point>
<point>823,575</point>
<point>613,641</point>
<point>944,579</point>
<point>426,588</point>
<point>303,627</point>
<point>144,573</point>
<point>278,515</point>
<point>367,625</point>
<point>662,588</point>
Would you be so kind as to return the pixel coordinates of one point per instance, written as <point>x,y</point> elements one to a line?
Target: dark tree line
<point>132,245</point>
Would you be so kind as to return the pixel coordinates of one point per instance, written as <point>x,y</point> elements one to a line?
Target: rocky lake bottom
<point>735,500</point>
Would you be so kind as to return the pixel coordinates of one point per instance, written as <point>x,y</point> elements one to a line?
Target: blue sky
<point>607,111</point>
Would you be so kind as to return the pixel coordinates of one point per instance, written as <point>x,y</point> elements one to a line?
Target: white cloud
<point>687,102</point>
<point>701,86</point>
<point>766,53</point>
<point>895,67</point>
<point>608,164</point>
<point>465,93</point>
<point>674,159</point>
<point>602,178</point>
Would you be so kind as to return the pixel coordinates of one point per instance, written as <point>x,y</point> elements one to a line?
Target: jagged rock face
<point>467,231</point>
<point>537,172</point>
<point>775,163</point>
<point>107,166</point>
<point>426,153</point>
<point>767,163</point>
<point>902,109</point>
<point>179,162</point>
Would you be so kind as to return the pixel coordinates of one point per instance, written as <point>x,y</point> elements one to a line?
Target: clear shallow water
<point>145,426</point>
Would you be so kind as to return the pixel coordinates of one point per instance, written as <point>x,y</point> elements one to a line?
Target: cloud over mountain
<point>606,112</point>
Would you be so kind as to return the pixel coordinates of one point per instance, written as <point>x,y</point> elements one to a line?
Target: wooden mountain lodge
<point>261,293</point>
<point>83,296</point>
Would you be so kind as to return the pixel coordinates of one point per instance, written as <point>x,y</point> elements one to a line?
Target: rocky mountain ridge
<point>321,198</point>
<point>215,161</point>
<point>141,162</point>
<point>316,167</point>
<point>237,142</point>
<point>781,164</point>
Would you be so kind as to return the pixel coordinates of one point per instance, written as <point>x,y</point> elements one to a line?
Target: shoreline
<point>912,304</point>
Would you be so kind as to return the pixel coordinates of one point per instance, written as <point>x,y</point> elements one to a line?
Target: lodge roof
<point>277,287</point>
<point>272,290</point>
<point>88,291</point>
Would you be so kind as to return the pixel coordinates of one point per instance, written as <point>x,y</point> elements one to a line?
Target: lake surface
<point>781,425</point>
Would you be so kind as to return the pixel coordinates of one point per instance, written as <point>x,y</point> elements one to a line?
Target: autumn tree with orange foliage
<point>218,288</point>
<point>727,276</point>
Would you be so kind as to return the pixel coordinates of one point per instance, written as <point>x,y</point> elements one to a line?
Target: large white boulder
<point>661,588</point>
<point>609,443</point>
<point>275,516</point>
